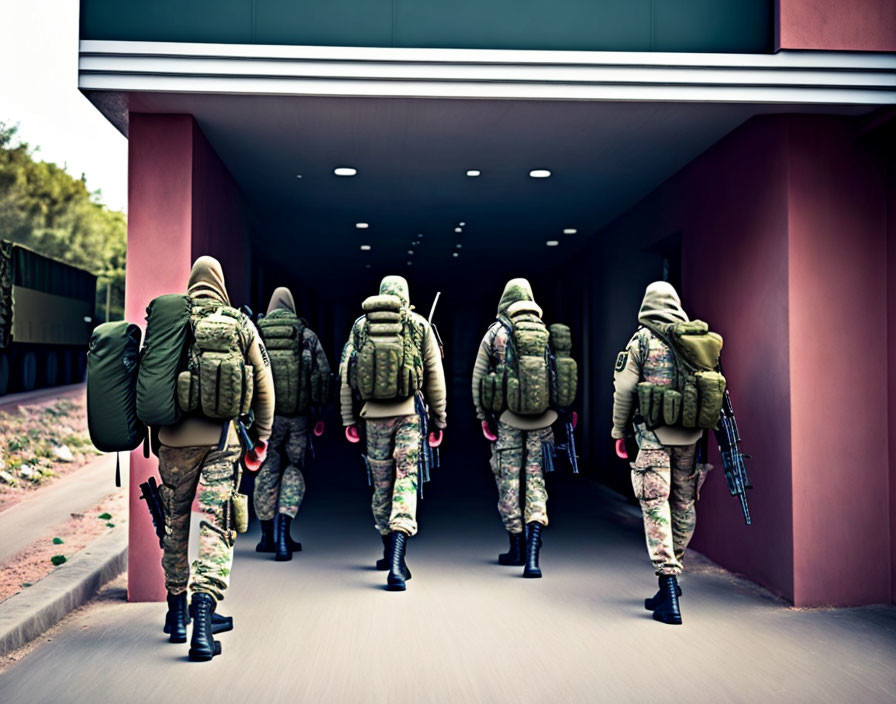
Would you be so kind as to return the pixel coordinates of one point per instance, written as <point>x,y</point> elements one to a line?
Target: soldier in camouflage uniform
<point>665,476</point>
<point>519,444</point>
<point>280,485</point>
<point>393,431</point>
<point>193,463</point>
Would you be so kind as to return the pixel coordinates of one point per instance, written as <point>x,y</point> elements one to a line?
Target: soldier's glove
<point>352,434</point>
<point>487,431</point>
<point>435,438</point>
<point>255,457</point>
<point>319,428</point>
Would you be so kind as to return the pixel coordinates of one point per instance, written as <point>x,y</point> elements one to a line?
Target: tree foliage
<point>46,209</point>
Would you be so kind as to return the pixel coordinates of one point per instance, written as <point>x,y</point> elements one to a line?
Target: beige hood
<point>396,286</point>
<point>207,280</point>
<point>516,290</point>
<point>282,298</point>
<point>661,304</point>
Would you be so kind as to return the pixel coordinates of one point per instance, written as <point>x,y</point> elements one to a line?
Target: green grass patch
<point>58,541</point>
<point>110,525</point>
<point>58,560</point>
<point>104,516</point>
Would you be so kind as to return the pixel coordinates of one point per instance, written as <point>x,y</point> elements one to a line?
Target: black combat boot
<point>533,546</point>
<point>668,610</point>
<point>398,571</point>
<point>202,645</point>
<point>220,623</point>
<point>176,619</point>
<point>266,544</point>
<point>514,556</point>
<point>654,601</point>
<point>281,538</point>
<point>387,554</point>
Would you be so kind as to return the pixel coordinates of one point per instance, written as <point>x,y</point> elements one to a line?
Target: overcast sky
<point>39,92</point>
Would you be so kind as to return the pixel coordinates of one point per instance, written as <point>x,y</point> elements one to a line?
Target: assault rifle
<point>427,457</point>
<point>728,438</point>
<point>149,492</point>
<point>569,447</point>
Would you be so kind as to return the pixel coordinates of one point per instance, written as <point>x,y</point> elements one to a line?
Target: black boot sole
<point>395,586</point>
<point>507,562</point>
<point>532,574</point>
<point>382,565</point>
<point>668,620</point>
<point>204,655</point>
<point>295,547</point>
<point>222,627</point>
<point>264,548</point>
<point>283,558</point>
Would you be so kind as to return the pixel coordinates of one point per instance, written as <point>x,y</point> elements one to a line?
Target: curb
<point>24,616</point>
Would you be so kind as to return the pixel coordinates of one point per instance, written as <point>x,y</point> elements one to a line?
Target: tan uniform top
<point>207,281</point>
<point>492,351</point>
<point>661,305</point>
<point>434,389</point>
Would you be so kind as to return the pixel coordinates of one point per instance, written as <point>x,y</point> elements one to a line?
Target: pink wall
<point>838,318</point>
<point>158,261</point>
<point>848,25</point>
<point>182,203</point>
<point>784,226</point>
<point>891,341</point>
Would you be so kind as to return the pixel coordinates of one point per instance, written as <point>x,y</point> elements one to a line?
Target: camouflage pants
<point>513,448</point>
<point>665,480</point>
<point>278,488</point>
<point>393,446</point>
<point>186,472</point>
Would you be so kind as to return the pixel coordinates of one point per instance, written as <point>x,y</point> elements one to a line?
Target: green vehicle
<point>46,317</point>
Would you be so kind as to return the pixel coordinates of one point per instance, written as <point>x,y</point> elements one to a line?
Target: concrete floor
<point>322,628</point>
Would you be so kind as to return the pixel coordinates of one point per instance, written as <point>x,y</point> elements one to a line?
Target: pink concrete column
<point>835,25</point>
<point>158,261</point>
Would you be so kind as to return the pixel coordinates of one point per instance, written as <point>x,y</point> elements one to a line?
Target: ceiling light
<point>365,247</point>
<point>361,225</point>
<point>345,171</point>
<point>420,236</point>
<point>455,254</point>
<point>462,224</point>
<point>458,245</point>
<point>410,263</point>
<point>570,231</point>
<point>298,175</point>
<point>411,252</point>
<point>473,172</point>
<point>539,173</point>
<point>367,266</point>
<point>552,243</point>
<point>458,229</point>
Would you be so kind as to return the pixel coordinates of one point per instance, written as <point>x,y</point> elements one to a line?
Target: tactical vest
<point>387,359</point>
<point>217,383</point>
<point>682,385</point>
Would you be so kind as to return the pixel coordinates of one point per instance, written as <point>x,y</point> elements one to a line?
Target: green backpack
<point>217,381</point>
<point>298,383</point>
<point>528,381</point>
<point>564,370</point>
<point>387,360</point>
<point>695,399</point>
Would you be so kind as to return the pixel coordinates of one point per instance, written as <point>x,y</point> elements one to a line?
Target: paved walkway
<point>322,629</point>
<point>34,517</point>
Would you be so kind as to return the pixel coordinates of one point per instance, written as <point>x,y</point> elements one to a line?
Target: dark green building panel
<point>591,25</point>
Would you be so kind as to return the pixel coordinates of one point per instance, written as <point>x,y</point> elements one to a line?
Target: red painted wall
<point>160,207</point>
<point>838,318</point>
<point>182,203</point>
<point>890,151</point>
<point>847,25</point>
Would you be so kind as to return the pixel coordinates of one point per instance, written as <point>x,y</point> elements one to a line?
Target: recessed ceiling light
<point>345,171</point>
<point>411,252</point>
<point>552,243</point>
<point>458,245</point>
<point>462,224</point>
<point>367,266</point>
<point>473,172</point>
<point>455,254</point>
<point>540,173</point>
<point>458,229</point>
<point>365,247</point>
<point>361,225</point>
<point>298,175</point>
<point>410,263</point>
<point>570,231</point>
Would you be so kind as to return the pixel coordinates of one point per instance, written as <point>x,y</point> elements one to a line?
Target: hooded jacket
<point>434,389</point>
<point>282,299</point>
<point>492,351</point>
<point>661,305</point>
<point>206,283</point>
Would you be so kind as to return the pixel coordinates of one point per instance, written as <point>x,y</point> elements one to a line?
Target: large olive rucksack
<point>217,381</point>
<point>528,374</point>
<point>113,358</point>
<point>387,360</point>
<point>162,357</point>
<point>694,399</point>
<point>298,383</point>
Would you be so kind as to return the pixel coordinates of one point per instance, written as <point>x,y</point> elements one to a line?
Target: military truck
<point>46,316</point>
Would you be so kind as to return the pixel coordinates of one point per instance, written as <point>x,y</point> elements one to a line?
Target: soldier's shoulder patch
<point>621,361</point>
